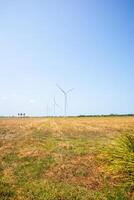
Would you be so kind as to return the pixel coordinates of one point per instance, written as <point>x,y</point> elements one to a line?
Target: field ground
<point>66,158</point>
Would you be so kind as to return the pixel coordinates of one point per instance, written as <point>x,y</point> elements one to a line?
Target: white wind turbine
<point>65,96</point>
<point>55,105</point>
<point>47,110</point>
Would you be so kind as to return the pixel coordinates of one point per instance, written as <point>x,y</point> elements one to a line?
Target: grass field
<point>67,158</point>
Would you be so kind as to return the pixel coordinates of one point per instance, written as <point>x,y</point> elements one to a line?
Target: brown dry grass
<point>58,150</point>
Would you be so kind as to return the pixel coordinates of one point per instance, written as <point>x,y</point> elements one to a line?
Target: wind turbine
<point>65,96</point>
<point>55,104</point>
<point>47,110</point>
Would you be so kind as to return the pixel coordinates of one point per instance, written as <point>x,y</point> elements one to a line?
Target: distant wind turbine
<point>55,105</point>
<point>65,96</point>
<point>47,110</point>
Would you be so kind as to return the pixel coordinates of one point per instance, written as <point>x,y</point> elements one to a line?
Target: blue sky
<point>84,44</point>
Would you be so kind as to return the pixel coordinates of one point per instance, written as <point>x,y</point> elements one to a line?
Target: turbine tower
<point>65,93</point>
<point>55,104</point>
<point>47,110</point>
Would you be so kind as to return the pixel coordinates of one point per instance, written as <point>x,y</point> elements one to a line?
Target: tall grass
<point>121,157</point>
<point>124,154</point>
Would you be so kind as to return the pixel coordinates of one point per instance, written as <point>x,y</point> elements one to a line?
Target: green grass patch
<point>7,191</point>
<point>59,191</point>
<point>45,142</point>
<point>33,168</point>
<point>81,146</point>
<point>116,193</point>
<point>10,157</point>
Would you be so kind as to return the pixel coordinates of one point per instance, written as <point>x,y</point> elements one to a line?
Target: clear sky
<point>84,44</point>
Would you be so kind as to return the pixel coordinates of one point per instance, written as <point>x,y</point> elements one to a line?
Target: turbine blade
<point>55,104</point>
<point>61,89</point>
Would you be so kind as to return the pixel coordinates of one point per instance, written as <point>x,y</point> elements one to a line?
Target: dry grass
<point>62,158</point>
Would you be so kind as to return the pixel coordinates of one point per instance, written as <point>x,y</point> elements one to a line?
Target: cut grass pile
<point>67,158</point>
